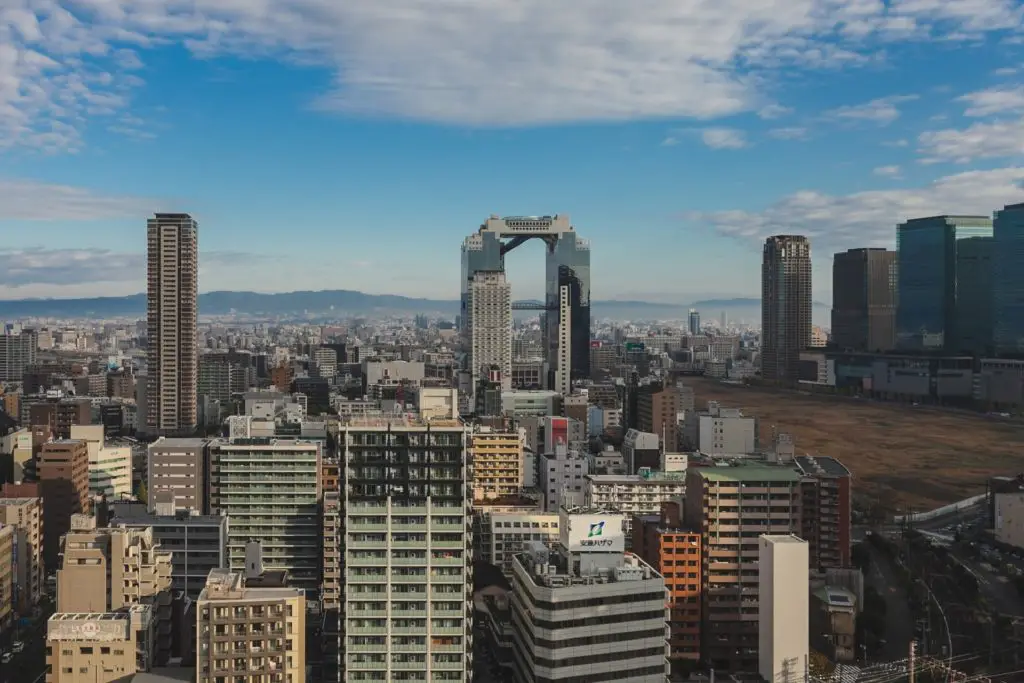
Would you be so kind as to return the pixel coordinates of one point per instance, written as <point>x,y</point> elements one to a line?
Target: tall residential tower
<point>785,305</point>
<point>489,326</point>
<point>172,289</point>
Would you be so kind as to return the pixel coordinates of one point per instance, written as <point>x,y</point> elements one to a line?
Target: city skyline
<point>660,134</point>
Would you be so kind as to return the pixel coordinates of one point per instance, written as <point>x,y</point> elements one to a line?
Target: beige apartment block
<point>497,458</point>
<point>784,608</point>
<point>110,465</point>
<point>91,648</point>
<point>25,515</point>
<point>249,635</point>
<point>106,570</point>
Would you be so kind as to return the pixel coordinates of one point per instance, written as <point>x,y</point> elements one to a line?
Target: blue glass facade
<point>974,279</point>
<point>1008,285</point>
<point>927,276</point>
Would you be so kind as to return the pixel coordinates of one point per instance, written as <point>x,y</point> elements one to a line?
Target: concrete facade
<point>179,467</point>
<point>783,608</point>
<point>25,516</point>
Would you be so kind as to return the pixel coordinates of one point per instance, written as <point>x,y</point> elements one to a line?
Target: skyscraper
<point>1008,280</point>
<point>926,316</point>
<point>694,322</point>
<point>489,325</point>
<point>172,357</point>
<point>864,299</point>
<point>785,305</point>
<point>974,282</point>
<point>566,318</point>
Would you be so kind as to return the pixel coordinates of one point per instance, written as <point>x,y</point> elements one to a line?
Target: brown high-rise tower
<point>785,305</point>
<point>864,300</point>
<point>172,317</point>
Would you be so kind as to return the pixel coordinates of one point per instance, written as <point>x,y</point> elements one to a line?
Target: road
<point>28,666</point>
<point>899,621</point>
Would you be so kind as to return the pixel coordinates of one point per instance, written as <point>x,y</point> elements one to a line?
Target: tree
<point>142,493</point>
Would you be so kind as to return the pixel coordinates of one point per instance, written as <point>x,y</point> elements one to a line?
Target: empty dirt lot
<point>899,455</point>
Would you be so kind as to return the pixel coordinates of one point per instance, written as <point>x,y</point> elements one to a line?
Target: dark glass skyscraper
<point>1008,281</point>
<point>864,299</point>
<point>568,265</point>
<point>974,275</point>
<point>926,316</point>
<point>785,305</point>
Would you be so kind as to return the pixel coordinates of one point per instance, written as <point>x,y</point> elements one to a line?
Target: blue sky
<point>326,146</point>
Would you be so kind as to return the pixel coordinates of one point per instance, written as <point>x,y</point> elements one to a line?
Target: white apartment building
<point>110,465</point>
<point>720,431</point>
<point>406,545</point>
<point>489,326</point>
<point>588,610</point>
<point>561,479</point>
<point>634,494</point>
<point>510,532</point>
<point>783,610</point>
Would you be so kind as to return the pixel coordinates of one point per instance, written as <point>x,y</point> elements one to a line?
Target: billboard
<point>557,438</point>
<point>595,344</point>
<point>634,346</point>
<point>593,533</point>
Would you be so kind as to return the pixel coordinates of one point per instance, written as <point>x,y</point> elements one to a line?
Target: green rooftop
<point>751,473</point>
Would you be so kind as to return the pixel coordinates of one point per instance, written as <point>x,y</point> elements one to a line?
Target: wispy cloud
<point>774,111</point>
<point>21,268</point>
<point>670,141</point>
<point>25,200</point>
<point>789,133</point>
<point>981,140</point>
<point>64,63</point>
<point>881,111</point>
<point>887,171</point>
<point>723,138</point>
<point>835,222</point>
<point>998,100</point>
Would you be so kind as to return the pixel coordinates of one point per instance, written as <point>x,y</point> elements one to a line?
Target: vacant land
<point>900,456</point>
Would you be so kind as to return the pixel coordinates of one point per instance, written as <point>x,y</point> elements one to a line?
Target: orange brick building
<point>675,552</point>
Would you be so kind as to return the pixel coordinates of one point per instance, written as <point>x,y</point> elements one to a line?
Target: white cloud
<point>1005,71</point>
<point>897,143</point>
<point>881,111</point>
<point>887,171</point>
<point>723,138</point>
<point>774,111</point>
<point>24,200</point>
<point>790,133</point>
<point>23,272</point>
<point>990,140</point>
<point>992,101</point>
<point>670,141</point>
<point>504,63</point>
<point>836,222</point>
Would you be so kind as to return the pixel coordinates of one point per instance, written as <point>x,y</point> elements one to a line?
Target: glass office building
<point>927,275</point>
<point>568,265</point>
<point>1008,285</point>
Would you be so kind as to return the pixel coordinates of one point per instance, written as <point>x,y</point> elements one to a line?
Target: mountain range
<point>338,303</point>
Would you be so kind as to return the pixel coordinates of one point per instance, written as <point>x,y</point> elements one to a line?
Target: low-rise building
<point>97,647</point>
<point>497,463</point>
<point>674,552</point>
<point>588,607</point>
<point>249,635</point>
<point>634,494</point>
<point>720,431</point>
<point>510,533</point>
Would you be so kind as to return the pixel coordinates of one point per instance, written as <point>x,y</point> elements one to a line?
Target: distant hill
<point>342,302</point>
